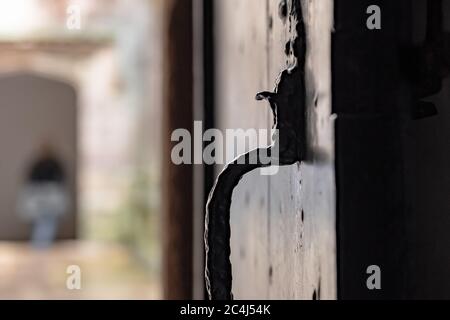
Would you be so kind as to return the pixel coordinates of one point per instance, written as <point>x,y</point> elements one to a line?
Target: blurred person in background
<point>44,198</point>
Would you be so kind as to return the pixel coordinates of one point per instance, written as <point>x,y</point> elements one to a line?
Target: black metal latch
<point>288,107</point>
<point>289,146</point>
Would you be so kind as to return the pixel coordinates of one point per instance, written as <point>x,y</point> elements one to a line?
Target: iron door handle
<point>289,147</point>
<point>287,104</point>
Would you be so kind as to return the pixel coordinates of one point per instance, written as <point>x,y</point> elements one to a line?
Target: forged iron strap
<point>288,107</point>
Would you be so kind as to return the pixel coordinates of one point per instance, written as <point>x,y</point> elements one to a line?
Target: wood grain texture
<point>177,184</point>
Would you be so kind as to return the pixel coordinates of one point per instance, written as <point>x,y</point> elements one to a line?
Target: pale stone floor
<point>108,271</point>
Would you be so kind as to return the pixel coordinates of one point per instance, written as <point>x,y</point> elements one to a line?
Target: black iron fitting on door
<point>288,106</point>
